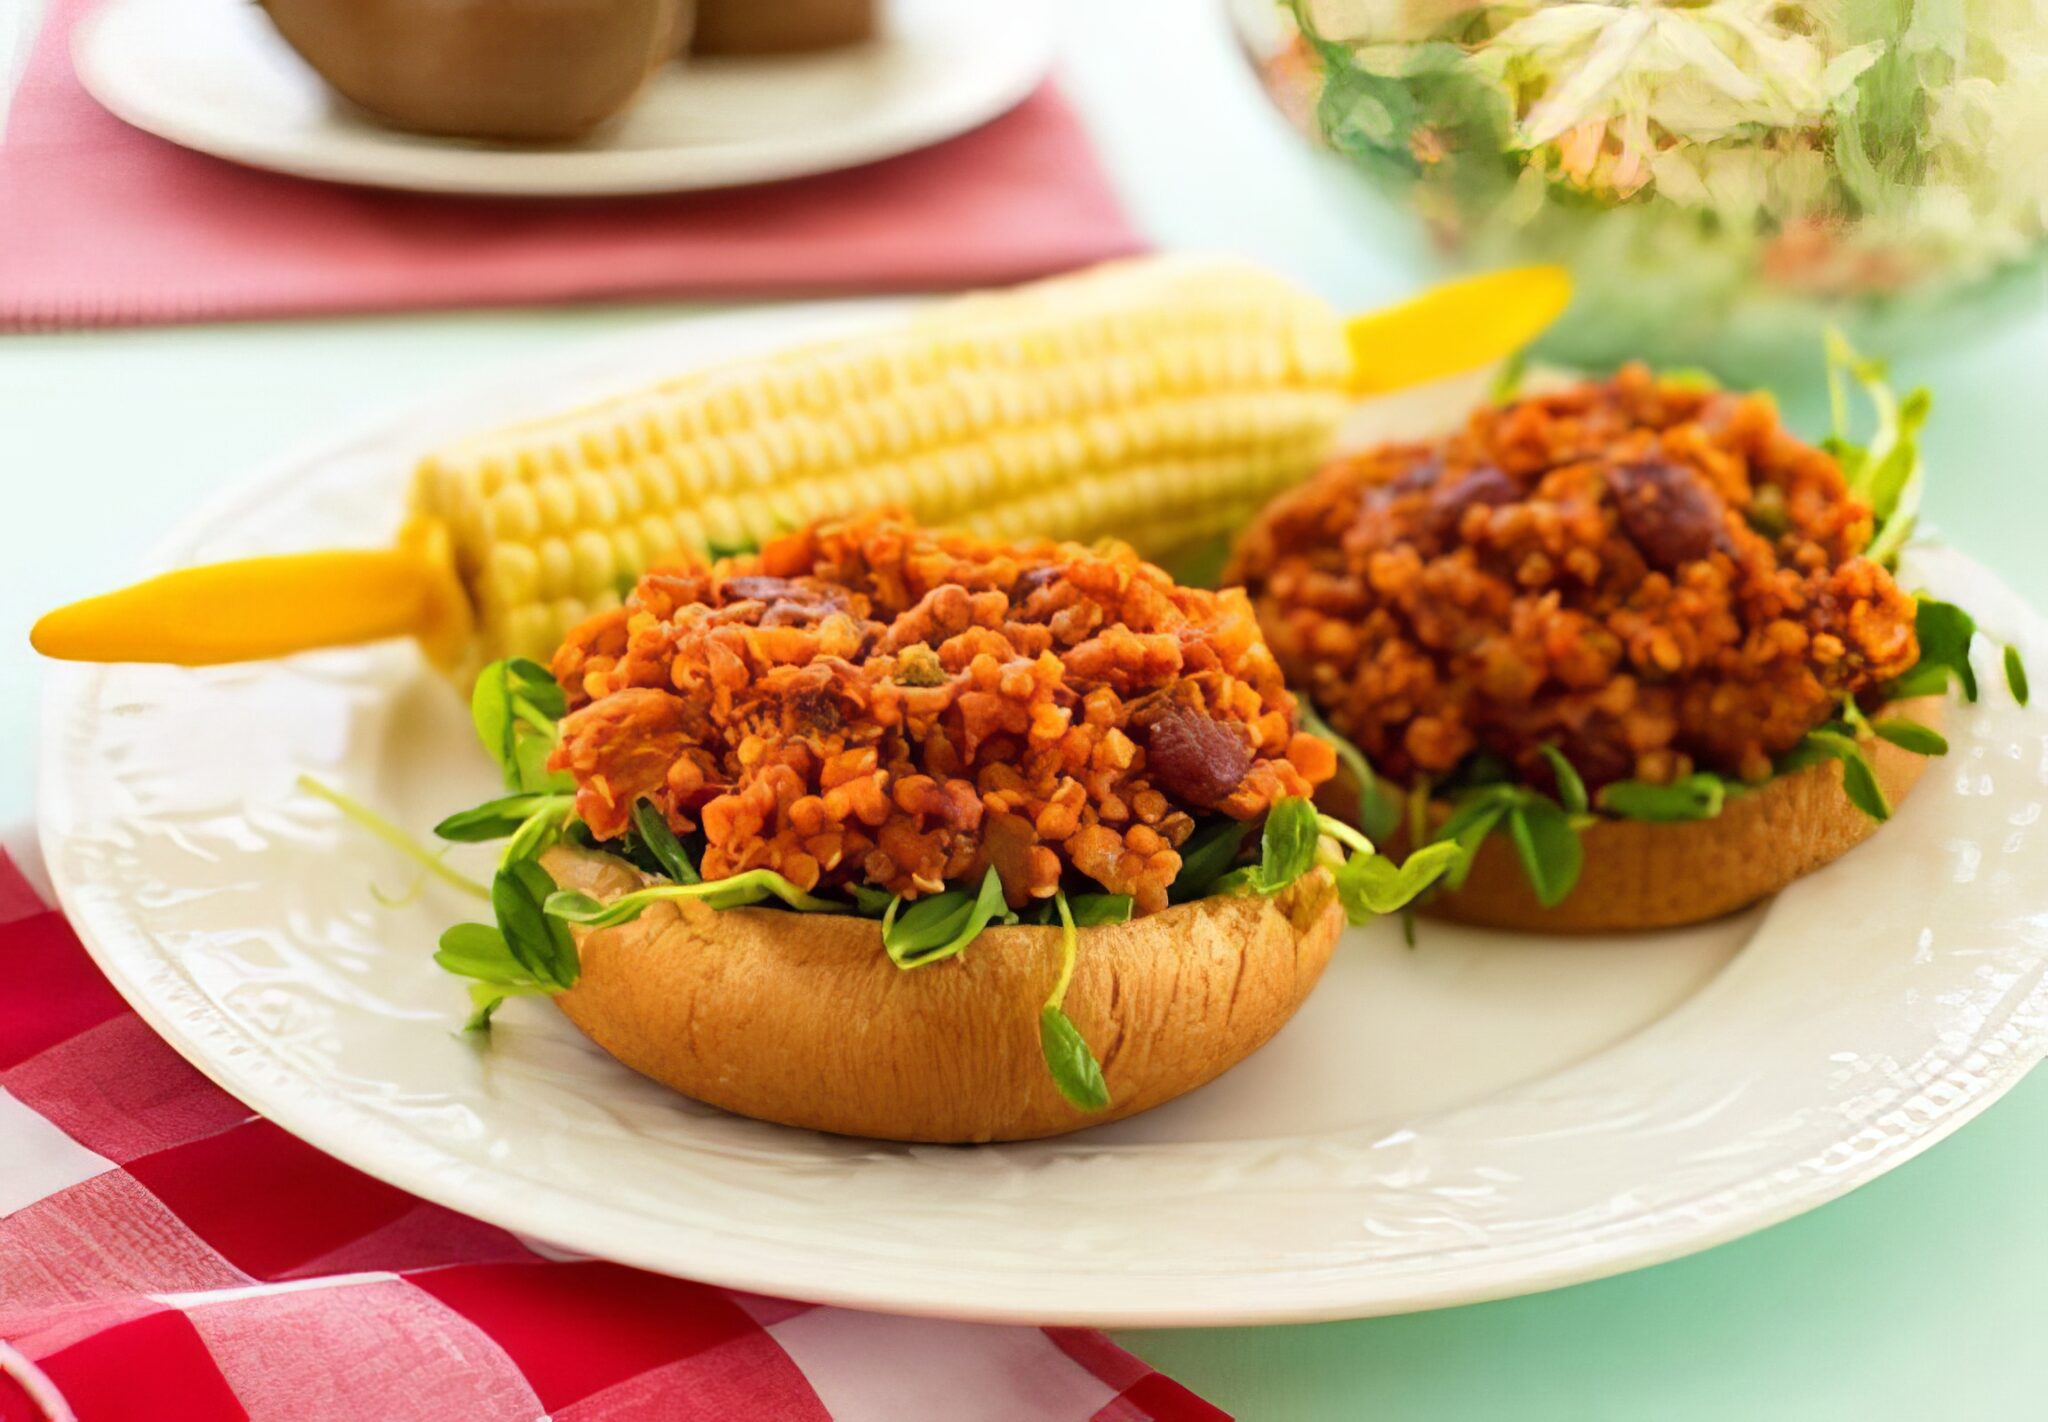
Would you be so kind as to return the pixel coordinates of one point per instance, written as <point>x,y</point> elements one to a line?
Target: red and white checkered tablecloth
<point>164,1254</point>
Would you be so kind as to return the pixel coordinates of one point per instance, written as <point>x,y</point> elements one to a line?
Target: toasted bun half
<point>1642,875</point>
<point>802,1019</point>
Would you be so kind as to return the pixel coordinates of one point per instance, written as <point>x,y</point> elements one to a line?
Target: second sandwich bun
<point>1642,875</point>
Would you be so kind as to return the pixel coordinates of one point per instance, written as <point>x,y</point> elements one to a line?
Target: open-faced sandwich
<point>1634,648</point>
<point>911,835</point>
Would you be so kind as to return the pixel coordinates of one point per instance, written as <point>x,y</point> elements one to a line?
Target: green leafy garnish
<point>514,706</point>
<point>494,819</point>
<point>869,901</point>
<point>1945,631</point>
<point>1859,781</point>
<point>1545,838</point>
<point>1689,377</point>
<point>1550,849</point>
<point>361,814</point>
<point>540,829</point>
<point>479,950</point>
<point>650,826</point>
<point>1199,565</point>
<point>738,891</point>
<point>1287,845</point>
<point>1699,796</point>
<point>940,925</point>
<point>1206,857</point>
<point>484,999</point>
<point>1379,810</point>
<point>1073,1066</point>
<point>1472,818</point>
<point>2016,675</point>
<point>1369,885</point>
<point>1507,381</point>
<point>539,941</point>
<point>1910,735</point>
<point>1571,791</point>
<point>1097,910</point>
<point>1887,472</point>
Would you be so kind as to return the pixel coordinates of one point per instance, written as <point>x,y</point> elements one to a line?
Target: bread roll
<point>802,1019</point>
<point>1641,874</point>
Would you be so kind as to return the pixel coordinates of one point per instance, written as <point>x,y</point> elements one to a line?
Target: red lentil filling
<point>871,702</point>
<point>1653,577</point>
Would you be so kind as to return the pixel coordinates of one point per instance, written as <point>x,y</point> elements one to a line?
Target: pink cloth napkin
<point>104,225</point>
<point>165,1255</point>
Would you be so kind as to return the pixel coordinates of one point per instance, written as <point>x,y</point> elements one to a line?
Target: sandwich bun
<point>1641,874</point>
<point>803,1020</point>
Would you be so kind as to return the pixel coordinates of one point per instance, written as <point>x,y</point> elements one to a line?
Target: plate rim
<point>1030,65</point>
<point>386,1150</point>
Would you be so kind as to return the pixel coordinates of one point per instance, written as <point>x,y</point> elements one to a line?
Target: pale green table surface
<point>1924,1294</point>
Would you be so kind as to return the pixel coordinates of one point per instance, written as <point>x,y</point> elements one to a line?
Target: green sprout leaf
<point>1571,791</point>
<point>1379,810</point>
<point>941,925</point>
<point>1073,1066</point>
<point>1690,377</point>
<point>1859,781</point>
<point>2016,675</point>
<point>479,950</point>
<point>484,999</point>
<point>1369,885</point>
<point>1068,1057</point>
<point>540,829</point>
<point>1887,472</point>
<point>1922,679</point>
<point>1699,796</point>
<point>530,752</point>
<point>1910,735</point>
<point>493,819</point>
<point>1287,845</point>
<point>1206,857</point>
<point>1549,848</point>
<point>360,814</point>
<point>539,942</point>
<point>1507,381</point>
<point>651,826</point>
<point>1945,631</point>
<point>1471,820</point>
<point>753,887</point>
<point>1098,910</point>
<point>514,706</point>
<point>869,901</point>
<point>490,711</point>
<point>536,695</point>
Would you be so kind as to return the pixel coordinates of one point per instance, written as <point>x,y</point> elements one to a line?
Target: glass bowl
<point>1723,178</point>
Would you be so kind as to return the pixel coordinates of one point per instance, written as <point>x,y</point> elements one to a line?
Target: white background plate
<point>1483,1115</point>
<point>215,76</point>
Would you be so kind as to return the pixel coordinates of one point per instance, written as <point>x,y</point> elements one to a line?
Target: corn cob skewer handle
<point>253,608</point>
<point>1078,407</point>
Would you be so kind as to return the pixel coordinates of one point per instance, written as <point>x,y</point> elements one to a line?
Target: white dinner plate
<point>1481,1115</point>
<point>215,76</point>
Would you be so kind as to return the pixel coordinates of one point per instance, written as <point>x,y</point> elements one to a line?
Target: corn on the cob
<point>1159,400</point>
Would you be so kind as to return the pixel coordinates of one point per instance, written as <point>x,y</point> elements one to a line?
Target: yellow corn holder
<point>1161,400</point>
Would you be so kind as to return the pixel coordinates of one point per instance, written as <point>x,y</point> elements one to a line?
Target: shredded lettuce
<point>1698,156</point>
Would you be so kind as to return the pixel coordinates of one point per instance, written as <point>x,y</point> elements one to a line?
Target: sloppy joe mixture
<point>873,703</point>
<point>1652,577</point>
